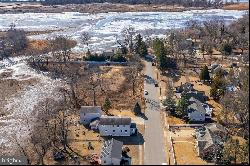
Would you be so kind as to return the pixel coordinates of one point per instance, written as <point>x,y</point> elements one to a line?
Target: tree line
<point>186,3</point>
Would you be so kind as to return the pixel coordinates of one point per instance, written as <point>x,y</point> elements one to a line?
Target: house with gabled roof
<point>116,126</point>
<point>111,153</point>
<point>196,111</point>
<point>210,140</point>
<point>89,113</point>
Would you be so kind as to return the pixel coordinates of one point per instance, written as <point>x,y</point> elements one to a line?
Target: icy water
<point>105,28</point>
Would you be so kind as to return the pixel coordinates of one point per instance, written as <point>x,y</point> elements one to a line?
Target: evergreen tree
<point>169,102</point>
<point>203,49</point>
<point>140,46</point>
<point>160,53</point>
<point>137,109</point>
<point>218,87</point>
<point>182,105</point>
<point>226,49</point>
<point>204,75</point>
<point>88,53</point>
<point>107,105</point>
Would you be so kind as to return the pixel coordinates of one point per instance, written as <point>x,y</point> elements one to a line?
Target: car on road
<point>145,92</point>
<point>156,84</point>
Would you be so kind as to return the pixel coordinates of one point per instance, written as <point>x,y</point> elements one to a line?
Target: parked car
<point>145,92</point>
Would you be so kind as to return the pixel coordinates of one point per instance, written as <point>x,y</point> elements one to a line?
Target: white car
<point>145,92</point>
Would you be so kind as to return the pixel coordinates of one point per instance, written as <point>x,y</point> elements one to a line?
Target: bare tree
<point>85,37</point>
<point>128,35</point>
<point>63,48</point>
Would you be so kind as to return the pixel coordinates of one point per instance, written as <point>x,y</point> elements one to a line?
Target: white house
<point>111,152</point>
<point>116,126</point>
<point>196,111</point>
<point>89,113</point>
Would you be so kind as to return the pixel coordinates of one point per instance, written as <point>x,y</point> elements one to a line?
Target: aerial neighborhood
<point>124,82</point>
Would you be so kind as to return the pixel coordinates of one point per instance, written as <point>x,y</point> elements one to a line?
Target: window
<point>117,125</point>
<point>113,131</point>
<point>106,131</point>
<point>121,131</point>
<point>104,161</point>
<point>126,131</point>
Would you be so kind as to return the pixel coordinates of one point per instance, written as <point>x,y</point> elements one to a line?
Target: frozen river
<point>104,28</point>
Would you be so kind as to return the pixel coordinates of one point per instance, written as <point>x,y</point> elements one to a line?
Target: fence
<point>172,150</point>
<point>186,125</point>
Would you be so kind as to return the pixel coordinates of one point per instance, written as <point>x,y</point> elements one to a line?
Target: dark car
<point>156,85</point>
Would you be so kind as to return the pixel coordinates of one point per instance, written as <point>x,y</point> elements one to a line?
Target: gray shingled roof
<point>210,135</point>
<point>197,95</point>
<point>114,120</point>
<point>90,109</point>
<point>112,148</point>
<point>196,105</point>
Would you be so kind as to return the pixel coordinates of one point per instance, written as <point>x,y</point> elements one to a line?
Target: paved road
<point>154,152</point>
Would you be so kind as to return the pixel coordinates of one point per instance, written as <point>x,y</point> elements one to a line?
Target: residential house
<point>111,153</point>
<point>185,87</point>
<point>213,66</point>
<point>196,112</point>
<point>217,70</point>
<point>89,113</point>
<point>196,94</point>
<point>116,126</point>
<point>210,139</point>
<point>231,88</point>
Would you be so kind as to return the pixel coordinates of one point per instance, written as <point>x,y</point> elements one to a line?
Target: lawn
<point>186,154</point>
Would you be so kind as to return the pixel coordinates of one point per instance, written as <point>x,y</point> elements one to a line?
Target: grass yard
<point>186,154</point>
<point>174,120</point>
<point>184,147</point>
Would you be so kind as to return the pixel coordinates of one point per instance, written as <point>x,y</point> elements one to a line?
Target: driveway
<point>154,150</point>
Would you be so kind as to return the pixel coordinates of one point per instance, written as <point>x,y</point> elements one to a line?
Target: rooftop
<point>210,135</point>
<point>196,105</point>
<point>90,109</point>
<point>112,148</point>
<point>115,120</point>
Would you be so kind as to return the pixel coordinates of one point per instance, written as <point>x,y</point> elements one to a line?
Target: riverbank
<point>103,8</point>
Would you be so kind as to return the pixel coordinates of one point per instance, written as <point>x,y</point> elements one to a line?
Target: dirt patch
<point>186,154</point>
<point>127,113</point>
<point>173,120</point>
<point>240,6</point>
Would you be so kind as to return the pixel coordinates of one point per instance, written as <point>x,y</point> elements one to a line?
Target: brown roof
<point>114,120</point>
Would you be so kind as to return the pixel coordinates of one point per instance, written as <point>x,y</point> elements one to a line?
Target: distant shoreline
<point>15,8</point>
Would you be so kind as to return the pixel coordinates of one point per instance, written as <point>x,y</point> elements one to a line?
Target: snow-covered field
<point>20,107</point>
<point>104,28</point>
